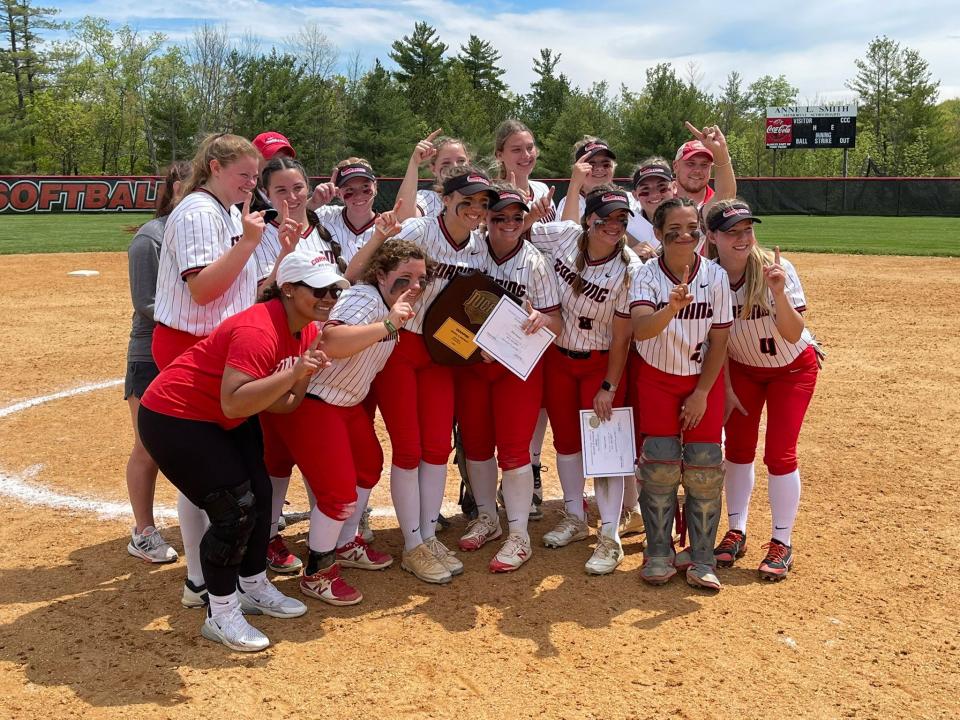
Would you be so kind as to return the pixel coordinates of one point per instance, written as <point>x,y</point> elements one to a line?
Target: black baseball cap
<point>607,202</point>
<point>661,172</point>
<point>469,184</point>
<point>728,217</point>
<point>506,198</point>
<point>592,148</point>
<point>354,170</point>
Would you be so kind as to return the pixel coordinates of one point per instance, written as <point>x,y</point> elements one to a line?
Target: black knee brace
<point>232,514</point>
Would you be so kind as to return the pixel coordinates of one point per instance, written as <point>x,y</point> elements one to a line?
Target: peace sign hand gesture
<point>680,295</point>
<point>774,275</point>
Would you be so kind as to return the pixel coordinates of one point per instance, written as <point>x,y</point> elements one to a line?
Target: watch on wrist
<point>605,385</point>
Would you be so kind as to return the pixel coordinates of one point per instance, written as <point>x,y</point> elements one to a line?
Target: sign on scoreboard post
<point>798,127</point>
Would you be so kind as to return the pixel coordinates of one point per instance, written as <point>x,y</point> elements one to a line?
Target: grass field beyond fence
<point>849,234</point>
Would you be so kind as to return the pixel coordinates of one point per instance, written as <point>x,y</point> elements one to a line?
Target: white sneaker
<point>512,554</point>
<point>235,632</point>
<point>194,596</point>
<point>479,531</point>
<point>569,529</point>
<point>631,522</point>
<point>446,558</point>
<point>150,546</point>
<point>265,599</point>
<point>607,555</point>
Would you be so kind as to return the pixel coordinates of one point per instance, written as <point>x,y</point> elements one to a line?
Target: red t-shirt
<point>256,341</point>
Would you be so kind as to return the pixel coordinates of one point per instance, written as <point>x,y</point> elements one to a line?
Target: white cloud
<point>814,47</point>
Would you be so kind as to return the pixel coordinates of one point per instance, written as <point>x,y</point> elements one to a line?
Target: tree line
<point>111,100</point>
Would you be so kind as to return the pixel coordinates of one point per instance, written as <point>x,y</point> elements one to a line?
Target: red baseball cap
<point>694,147</point>
<point>270,143</point>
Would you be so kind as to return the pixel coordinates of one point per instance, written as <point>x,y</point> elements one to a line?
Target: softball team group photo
<point>273,320</point>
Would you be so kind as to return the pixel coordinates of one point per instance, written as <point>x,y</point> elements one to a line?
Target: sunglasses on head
<point>320,293</point>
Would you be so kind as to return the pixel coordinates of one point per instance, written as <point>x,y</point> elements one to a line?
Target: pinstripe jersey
<point>347,381</point>
<point>351,239</point>
<point>524,273</point>
<point>587,317</point>
<point>265,256</point>
<point>198,232</point>
<point>755,340</point>
<point>430,234</point>
<point>429,202</point>
<point>681,347</point>
<point>537,191</point>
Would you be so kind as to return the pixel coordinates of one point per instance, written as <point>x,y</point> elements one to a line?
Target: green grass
<point>67,232</point>
<point>849,234</point>
<point>868,235</point>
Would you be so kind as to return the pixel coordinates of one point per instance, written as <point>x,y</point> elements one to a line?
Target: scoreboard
<point>811,126</point>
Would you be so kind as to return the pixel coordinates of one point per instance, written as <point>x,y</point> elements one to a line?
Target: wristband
<point>723,165</point>
<point>391,329</point>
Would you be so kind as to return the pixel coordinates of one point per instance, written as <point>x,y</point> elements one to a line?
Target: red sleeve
<point>253,351</point>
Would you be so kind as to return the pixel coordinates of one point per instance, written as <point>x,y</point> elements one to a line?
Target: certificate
<point>502,338</point>
<point>609,448</point>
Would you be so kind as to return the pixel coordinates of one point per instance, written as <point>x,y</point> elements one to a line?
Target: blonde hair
<point>581,263</point>
<point>586,140</point>
<point>355,161</point>
<point>222,147</point>
<point>756,287</point>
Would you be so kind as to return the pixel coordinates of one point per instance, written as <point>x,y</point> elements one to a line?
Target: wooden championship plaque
<point>453,319</point>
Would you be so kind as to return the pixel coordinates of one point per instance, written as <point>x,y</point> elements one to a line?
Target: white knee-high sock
<point>536,442</point>
<point>517,493</point>
<point>323,531</point>
<point>352,524</point>
<point>609,493</point>
<point>483,483</point>
<point>193,525</point>
<point>738,485</point>
<point>570,472</point>
<point>405,493</point>
<point>280,485</point>
<point>433,482</point>
<point>631,493</point>
<point>784,492</point>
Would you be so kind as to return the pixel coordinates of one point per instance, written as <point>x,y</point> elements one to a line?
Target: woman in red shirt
<point>192,422</point>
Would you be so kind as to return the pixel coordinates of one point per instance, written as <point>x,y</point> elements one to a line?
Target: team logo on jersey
<point>585,323</point>
<point>479,305</point>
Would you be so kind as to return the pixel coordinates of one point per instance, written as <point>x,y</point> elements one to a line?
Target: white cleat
<point>607,555</point>
<point>569,529</point>
<point>265,599</point>
<point>235,632</point>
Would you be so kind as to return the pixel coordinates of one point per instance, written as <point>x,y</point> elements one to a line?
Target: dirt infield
<point>865,627</point>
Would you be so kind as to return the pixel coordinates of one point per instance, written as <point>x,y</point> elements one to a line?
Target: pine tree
<point>479,59</point>
<point>548,94</point>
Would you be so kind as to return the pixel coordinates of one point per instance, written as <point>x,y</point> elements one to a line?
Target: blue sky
<point>813,42</point>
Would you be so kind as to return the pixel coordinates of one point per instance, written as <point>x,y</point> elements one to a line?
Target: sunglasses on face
<point>674,234</point>
<point>320,293</point>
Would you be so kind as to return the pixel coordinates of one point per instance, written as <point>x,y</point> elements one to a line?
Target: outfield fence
<point>767,196</point>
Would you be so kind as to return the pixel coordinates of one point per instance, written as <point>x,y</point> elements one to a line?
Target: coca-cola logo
<point>777,127</point>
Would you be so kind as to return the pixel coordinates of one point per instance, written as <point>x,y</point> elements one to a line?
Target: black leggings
<point>200,458</point>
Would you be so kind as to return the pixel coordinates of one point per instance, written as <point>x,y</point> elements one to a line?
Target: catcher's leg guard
<point>659,476</point>
<point>703,481</point>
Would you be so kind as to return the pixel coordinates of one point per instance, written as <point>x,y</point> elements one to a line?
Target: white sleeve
<point>643,289</point>
<point>413,229</point>
<point>544,294</point>
<point>549,237</point>
<point>793,288</point>
<point>722,301</point>
<point>197,240</point>
<point>354,308</point>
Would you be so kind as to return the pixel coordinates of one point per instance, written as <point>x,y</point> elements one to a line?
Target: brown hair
<point>581,263</point>
<point>283,162</point>
<point>509,127</point>
<point>586,140</point>
<point>441,142</point>
<point>222,147</point>
<point>178,171</point>
<point>390,255</point>
<point>756,286</point>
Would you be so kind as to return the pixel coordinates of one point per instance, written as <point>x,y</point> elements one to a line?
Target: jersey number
<point>697,353</point>
<point>768,346</point>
